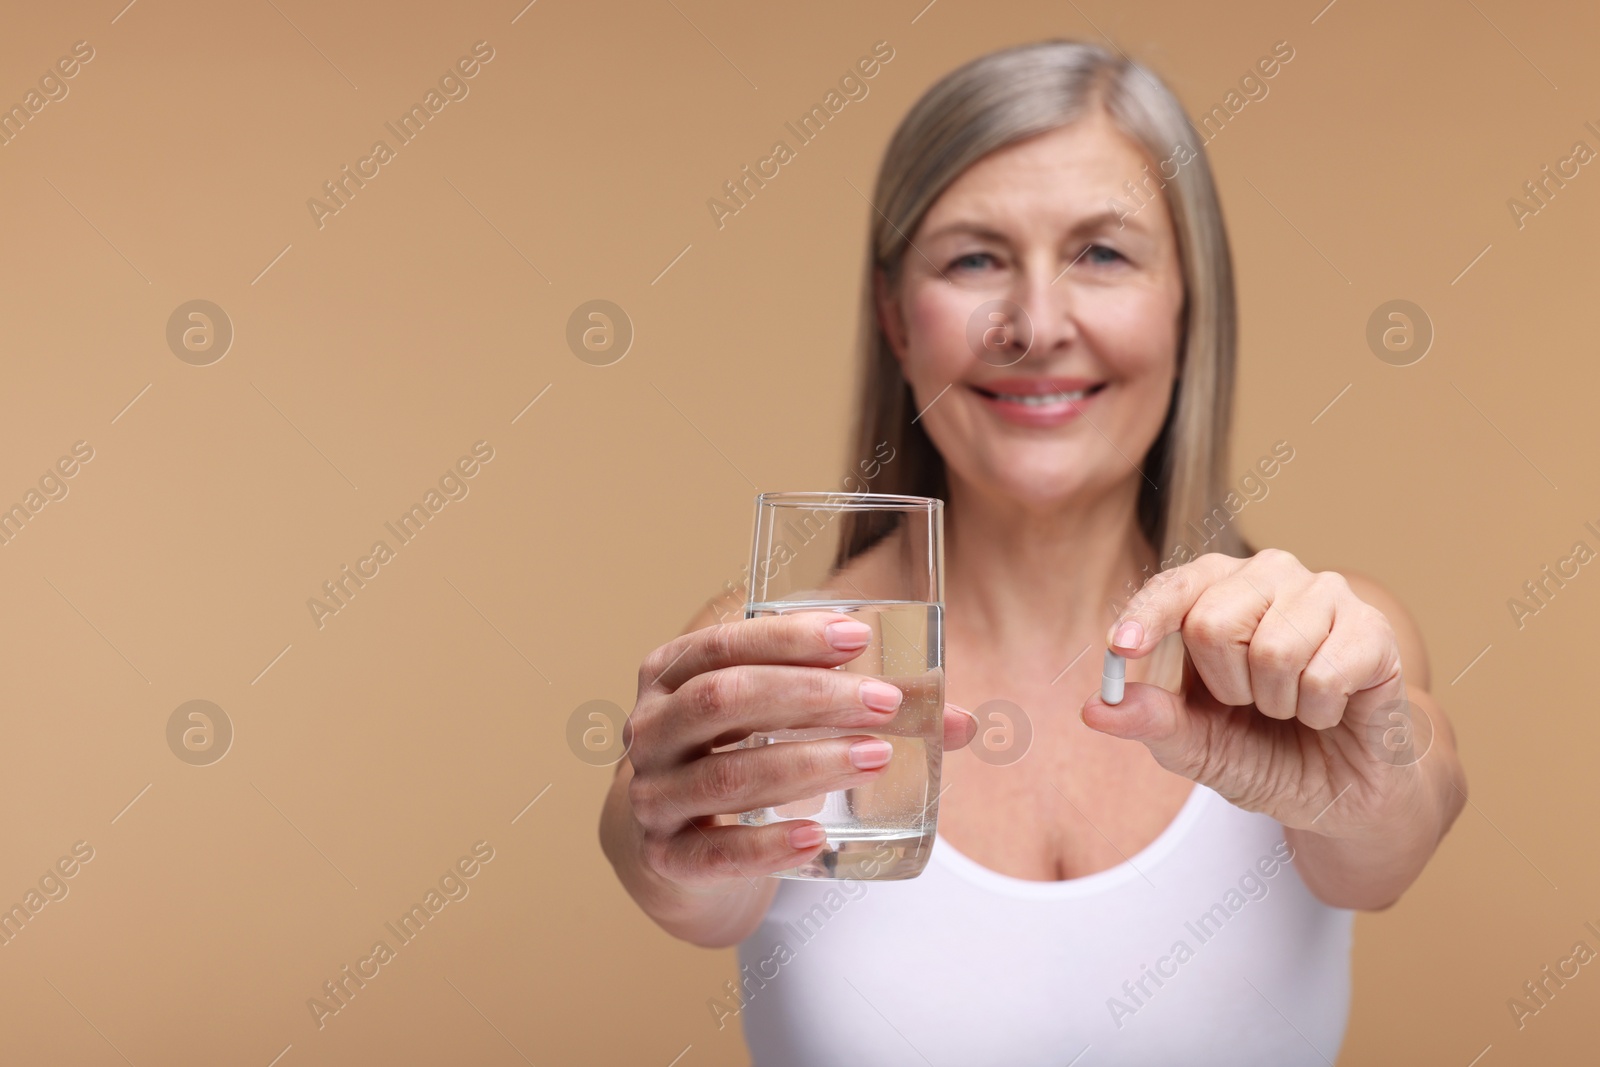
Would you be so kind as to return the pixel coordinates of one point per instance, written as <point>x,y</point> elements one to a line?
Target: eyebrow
<point>1089,224</point>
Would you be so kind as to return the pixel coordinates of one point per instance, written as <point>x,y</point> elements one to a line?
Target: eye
<point>1091,255</point>
<point>971,261</point>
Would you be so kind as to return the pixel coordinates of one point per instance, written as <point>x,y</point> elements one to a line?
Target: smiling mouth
<point>1033,399</point>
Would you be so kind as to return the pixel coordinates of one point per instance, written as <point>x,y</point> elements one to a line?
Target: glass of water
<point>878,558</point>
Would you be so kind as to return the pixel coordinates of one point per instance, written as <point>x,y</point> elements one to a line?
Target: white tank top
<point>1203,948</point>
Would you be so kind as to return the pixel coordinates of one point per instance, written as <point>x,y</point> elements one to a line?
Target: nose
<point>1042,319</point>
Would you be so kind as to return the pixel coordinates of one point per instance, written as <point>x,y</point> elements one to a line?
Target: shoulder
<point>1413,650</point>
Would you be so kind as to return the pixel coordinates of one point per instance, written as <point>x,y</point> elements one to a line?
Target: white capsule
<point>1112,676</point>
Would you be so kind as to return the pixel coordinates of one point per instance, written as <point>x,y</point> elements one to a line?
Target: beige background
<point>371,353</point>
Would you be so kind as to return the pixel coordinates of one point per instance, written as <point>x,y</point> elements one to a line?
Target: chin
<point>1037,485</point>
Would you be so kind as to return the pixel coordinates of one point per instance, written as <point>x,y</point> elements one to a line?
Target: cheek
<point>936,325</point>
<point>1135,333</point>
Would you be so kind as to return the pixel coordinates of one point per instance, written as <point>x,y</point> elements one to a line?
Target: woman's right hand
<point>715,686</point>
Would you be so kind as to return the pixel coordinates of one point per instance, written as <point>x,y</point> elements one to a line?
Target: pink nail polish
<point>880,696</point>
<point>848,634</point>
<point>1129,635</point>
<point>809,836</point>
<point>870,755</point>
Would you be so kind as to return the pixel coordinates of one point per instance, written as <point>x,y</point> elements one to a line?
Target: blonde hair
<point>997,100</point>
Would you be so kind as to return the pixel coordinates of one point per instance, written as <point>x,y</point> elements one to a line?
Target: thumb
<point>1159,719</point>
<point>960,726</point>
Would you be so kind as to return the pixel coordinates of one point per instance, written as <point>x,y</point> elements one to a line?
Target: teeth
<point>1044,398</point>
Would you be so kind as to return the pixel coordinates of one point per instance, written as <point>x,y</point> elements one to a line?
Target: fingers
<point>712,855</point>
<point>1355,674</point>
<point>1253,630</point>
<point>724,705</point>
<point>1159,607</point>
<point>1290,632</point>
<point>1324,689</point>
<point>769,776</point>
<point>960,727</point>
<point>818,638</point>
<point>1219,634</point>
<point>1251,638</point>
<point>1295,666</point>
<point>1178,739</point>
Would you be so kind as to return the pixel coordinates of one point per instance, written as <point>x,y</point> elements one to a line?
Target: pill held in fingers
<point>1112,677</point>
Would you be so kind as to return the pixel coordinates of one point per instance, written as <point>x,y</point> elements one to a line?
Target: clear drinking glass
<point>894,583</point>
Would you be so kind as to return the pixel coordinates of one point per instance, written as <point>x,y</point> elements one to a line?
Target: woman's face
<point>1100,285</point>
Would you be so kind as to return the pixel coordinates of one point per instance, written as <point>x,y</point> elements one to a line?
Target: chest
<point>1037,794</point>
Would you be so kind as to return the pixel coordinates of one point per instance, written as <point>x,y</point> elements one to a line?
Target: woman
<point>1168,880</point>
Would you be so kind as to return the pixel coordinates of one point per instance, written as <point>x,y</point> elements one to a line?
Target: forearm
<point>1370,870</point>
<point>711,918</point>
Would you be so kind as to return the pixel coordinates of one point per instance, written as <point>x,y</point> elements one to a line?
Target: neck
<point>1032,580</point>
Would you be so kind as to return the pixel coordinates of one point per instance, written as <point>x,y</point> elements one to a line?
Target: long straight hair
<point>998,100</point>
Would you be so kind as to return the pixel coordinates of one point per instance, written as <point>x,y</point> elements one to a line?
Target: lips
<point>1075,388</point>
<point>1038,401</point>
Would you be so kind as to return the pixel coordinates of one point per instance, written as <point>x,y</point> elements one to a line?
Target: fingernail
<point>848,634</point>
<point>880,696</point>
<point>869,755</point>
<point>1129,635</point>
<point>808,836</point>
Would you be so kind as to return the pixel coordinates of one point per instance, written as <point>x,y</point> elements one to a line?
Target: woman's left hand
<point>1292,702</point>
